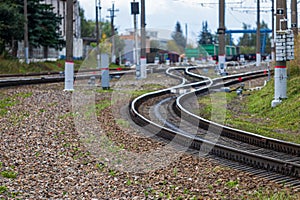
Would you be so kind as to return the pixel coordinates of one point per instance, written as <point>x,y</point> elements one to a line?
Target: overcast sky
<point>163,14</point>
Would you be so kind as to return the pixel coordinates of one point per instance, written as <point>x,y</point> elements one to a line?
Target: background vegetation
<point>253,112</point>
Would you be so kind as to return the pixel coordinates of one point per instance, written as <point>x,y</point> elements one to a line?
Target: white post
<point>258,59</point>
<point>221,64</point>
<point>69,76</point>
<point>143,67</point>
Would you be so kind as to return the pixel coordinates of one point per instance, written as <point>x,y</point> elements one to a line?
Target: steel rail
<point>192,141</point>
<point>244,136</point>
<point>47,78</point>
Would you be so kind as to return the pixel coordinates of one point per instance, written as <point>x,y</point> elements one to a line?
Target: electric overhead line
<point>202,3</point>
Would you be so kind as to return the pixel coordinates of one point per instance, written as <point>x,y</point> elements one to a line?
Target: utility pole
<point>135,12</point>
<point>26,33</point>
<point>98,32</point>
<point>112,16</point>
<point>186,34</point>
<point>143,31</point>
<point>280,75</point>
<point>143,60</point>
<point>273,33</point>
<point>221,33</point>
<point>97,36</point>
<point>69,65</point>
<point>258,56</point>
<point>294,19</point>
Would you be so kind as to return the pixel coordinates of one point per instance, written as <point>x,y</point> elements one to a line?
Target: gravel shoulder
<point>43,156</point>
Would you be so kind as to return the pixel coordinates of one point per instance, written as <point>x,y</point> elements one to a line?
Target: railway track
<point>169,114</point>
<point>8,80</point>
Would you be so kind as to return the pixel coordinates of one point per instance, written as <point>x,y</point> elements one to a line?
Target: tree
<point>228,40</point>
<point>87,26</point>
<point>154,45</point>
<point>247,42</point>
<point>172,46</point>
<point>43,27</point>
<point>11,25</point>
<point>205,37</point>
<point>178,37</point>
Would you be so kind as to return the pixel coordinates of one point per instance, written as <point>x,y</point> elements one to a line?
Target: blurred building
<point>128,52</point>
<point>60,8</point>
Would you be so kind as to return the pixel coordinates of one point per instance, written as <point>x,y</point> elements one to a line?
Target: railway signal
<point>135,11</point>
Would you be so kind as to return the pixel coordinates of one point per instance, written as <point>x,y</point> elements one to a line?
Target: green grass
<point>282,195</point>
<point>115,66</point>
<point>102,105</point>
<point>9,174</point>
<point>282,116</point>
<point>256,114</point>
<point>122,123</point>
<point>214,106</point>
<point>3,189</point>
<point>281,122</point>
<point>147,88</point>
<point>5,103</point>
<point>232,184</point>
<point>13,66</point>
<point>101,91</point>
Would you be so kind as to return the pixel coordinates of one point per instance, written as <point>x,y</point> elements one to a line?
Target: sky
<point>162,15</point>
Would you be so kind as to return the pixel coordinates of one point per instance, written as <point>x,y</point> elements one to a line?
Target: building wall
<point>129,46</point>
<point>60,8</point>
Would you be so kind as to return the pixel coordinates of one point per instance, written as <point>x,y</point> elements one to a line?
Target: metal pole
<point>100,32</point>
<point>97,36</point>
<point>143,60</point>
<point>258,56</point>
<point>221,32</point>
<point>294,19</point>
<point>112,16</point>
<point>113,34</point>
<point>69,65</point>
<point>134,12</point>
<point>69,35</point>
<point>26,33</point>
<point>273,34</point>
<point>186,34</point>
<point>280,74</point>
<point>135,54</point>
<point>143,31</point>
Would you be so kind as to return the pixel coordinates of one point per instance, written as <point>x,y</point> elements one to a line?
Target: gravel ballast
<point>43,156</point>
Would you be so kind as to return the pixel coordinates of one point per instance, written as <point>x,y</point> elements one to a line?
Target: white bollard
<point>69,76</point>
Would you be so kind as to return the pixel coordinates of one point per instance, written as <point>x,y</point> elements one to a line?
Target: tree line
<point>246,43</point>
<point>43,26</point>
<point>88,30</point>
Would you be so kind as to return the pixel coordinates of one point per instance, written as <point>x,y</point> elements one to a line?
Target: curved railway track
<point>167,112</point>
